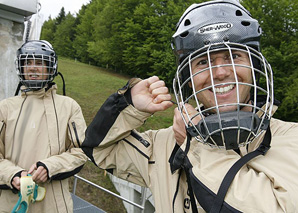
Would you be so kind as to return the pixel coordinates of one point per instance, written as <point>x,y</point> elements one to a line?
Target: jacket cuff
<point>125,91</point>
<point>44,166</point>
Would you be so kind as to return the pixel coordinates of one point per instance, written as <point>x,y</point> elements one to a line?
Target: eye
<point>235,56</point>
<point>202,62</point>
<point>27,62</point>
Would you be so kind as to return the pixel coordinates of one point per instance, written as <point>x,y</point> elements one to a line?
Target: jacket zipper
<point>76,133</point>
<point>139,138</point>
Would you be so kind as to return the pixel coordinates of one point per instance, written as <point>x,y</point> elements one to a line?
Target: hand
<point>39,174</point>
<point>179,127</point>
<point>16,180</point>
<point>151,95</point>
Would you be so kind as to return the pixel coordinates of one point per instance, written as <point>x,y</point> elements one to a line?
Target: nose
<point>220,72</point>
<point>31,66</point>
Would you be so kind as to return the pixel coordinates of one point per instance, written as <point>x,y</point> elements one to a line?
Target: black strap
<point>229,177</point>
<point>59,73</point>
<point>186,166</point>
<point>18,89</point>
<point>179,159</point>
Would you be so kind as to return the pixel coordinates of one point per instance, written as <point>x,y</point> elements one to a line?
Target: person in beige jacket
<point>40,133</point>
<point>224,152</point>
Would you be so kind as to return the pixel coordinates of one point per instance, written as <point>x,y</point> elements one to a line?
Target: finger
<point>177,112</point>
<point>152,80</point>
<point>32,168</point>
<point>160,90</point>
<point>179,127</point>
<point>16,183</point>
<point>24,173</point>
<point>36,174</point>
<point>156,84</point>
<point>190,108</point>
<point>162,98</point>
<point>43,178</point>
<point>161,106</point>
<point>40,175</point>
<point>193,114</point>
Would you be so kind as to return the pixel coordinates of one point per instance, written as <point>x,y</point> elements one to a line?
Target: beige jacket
<point>266,184</point>
<point>44,127</point>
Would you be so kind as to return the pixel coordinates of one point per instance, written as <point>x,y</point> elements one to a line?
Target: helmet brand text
<point>214,28</point>
<point>30,48</point>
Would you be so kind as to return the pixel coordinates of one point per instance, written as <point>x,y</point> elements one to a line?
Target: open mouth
<point>34,76</point>
<point>224,90</point>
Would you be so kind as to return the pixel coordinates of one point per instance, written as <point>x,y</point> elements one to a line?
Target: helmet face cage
<point>229,123</point>
<point>36,64</point>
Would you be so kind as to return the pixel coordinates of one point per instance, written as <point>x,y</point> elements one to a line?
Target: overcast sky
<point>53,7</point>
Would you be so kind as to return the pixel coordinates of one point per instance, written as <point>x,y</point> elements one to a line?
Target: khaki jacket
<point>44,127</point>
<point>265,184</point>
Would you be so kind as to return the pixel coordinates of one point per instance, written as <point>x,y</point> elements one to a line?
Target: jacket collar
<point>45,91</point>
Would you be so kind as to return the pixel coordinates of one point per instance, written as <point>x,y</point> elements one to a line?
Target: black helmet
<point>36,55</point>
<point>233,110</point>
<point>214,22</point>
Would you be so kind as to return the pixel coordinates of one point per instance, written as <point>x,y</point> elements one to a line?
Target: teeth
<point>225,89</point>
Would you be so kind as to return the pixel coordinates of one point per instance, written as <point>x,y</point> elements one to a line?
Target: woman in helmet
<point>225,152</point>
<point>41,133</point>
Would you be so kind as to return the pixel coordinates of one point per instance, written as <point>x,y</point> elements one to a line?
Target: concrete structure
<point>12,18</point>
<point>134,193</point>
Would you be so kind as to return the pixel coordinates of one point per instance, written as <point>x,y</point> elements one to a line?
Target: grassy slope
<point>90,86</point>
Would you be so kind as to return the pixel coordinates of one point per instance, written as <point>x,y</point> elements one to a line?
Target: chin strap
<point>29,192</point>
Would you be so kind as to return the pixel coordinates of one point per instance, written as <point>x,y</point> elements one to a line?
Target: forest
<point>133,37</point>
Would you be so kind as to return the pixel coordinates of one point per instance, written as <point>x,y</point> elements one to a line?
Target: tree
<point>60,17</point>
<point>85,31</point>
<point>279,22</point>
<point>48,30</point>
<point>147,38</point>
<point>64,36</point>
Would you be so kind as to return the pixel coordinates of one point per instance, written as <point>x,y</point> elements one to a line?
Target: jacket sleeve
<point>266,184</point>
<point>112,143</point>
<point>72,160</point>
<point>7,168</point>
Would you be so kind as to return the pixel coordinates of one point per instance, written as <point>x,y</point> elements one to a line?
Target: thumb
<point>32,168</point>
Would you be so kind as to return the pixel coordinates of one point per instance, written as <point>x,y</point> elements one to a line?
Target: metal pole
<point>143,199</point>
<point>74,185</point>
<point>112,193</point>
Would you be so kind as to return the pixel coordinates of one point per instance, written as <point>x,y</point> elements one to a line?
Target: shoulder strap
<point>229,177</point>
<point>187,166</point>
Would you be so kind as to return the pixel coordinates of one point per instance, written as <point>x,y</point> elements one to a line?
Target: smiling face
<point>225,93</point>
<point>35,69</point>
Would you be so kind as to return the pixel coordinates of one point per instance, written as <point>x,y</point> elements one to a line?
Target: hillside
<point>90,86</point>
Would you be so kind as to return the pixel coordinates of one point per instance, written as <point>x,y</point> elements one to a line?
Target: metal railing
<point>143,192</point>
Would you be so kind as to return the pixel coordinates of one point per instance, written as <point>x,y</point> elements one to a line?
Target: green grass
<point>90,86</point>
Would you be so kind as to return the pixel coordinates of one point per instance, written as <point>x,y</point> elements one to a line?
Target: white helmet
<point>233,98</point>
